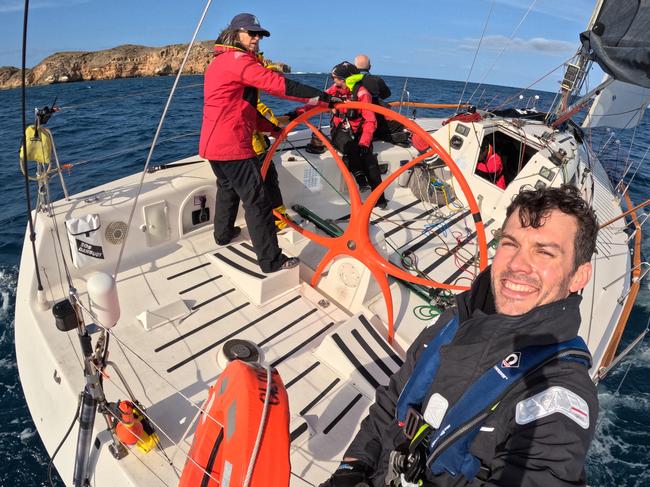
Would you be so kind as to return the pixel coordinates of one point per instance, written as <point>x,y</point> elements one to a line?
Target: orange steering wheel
<point>356,241</point>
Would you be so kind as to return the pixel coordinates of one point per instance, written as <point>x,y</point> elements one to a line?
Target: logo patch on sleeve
<point>555,399</point>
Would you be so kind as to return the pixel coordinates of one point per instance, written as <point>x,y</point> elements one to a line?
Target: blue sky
<point>420,38</point>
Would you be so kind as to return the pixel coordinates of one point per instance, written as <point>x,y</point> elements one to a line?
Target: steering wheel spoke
<point>355,241</point>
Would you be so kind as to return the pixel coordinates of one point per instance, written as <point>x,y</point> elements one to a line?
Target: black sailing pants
<point>271,183</point>
<point>361,167</point>
<point>242,180</point>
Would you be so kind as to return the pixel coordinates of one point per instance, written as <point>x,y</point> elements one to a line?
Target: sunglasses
<point>253,34</point>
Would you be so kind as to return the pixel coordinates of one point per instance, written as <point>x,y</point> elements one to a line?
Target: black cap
<point>247,22</point>
<point>344,69</point>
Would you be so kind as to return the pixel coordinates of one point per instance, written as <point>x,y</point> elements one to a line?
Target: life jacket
<point>447,446</point>
<point>354,83</point>
<point>388,131</point>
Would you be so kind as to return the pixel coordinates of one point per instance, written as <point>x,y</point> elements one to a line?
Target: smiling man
<point>497,391</point>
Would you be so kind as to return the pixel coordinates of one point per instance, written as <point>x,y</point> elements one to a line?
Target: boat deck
<point>330,349</point>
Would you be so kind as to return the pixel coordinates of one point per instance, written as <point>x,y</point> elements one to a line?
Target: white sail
<point>619,105</point>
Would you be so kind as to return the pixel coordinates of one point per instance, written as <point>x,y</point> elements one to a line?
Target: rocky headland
<point>127,61</point>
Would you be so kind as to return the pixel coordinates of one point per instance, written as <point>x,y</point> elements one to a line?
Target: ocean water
<point>105,128</point>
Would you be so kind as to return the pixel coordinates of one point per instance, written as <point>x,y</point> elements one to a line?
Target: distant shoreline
<point>126,61</point>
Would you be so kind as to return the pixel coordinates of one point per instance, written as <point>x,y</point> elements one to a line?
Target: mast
<point>575,74</point>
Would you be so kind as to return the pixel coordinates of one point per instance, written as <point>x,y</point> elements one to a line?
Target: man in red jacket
<point>230,117</point>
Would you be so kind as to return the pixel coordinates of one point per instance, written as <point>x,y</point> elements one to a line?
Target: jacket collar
<point>549,323</point>
<point>222,48</point>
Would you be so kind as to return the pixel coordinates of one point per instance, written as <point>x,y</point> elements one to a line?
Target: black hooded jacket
<point>549,451</point>
<point>376,86</point>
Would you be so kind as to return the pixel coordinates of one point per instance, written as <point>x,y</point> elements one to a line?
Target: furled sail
<point>619,40</point>
<point>619,105</point>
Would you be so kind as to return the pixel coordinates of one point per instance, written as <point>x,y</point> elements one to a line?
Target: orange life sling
<point>225,436</point>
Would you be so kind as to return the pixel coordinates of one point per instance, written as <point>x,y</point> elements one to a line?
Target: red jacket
<point>363,125</point>
<point>493,167</point>
<point>230,99</point>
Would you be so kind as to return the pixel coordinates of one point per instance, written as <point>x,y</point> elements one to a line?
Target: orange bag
<point>225,437</point>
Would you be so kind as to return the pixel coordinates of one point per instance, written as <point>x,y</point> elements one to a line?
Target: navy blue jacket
<point>549,451</point>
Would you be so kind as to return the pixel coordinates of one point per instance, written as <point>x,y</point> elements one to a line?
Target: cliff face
<point>126,61</point>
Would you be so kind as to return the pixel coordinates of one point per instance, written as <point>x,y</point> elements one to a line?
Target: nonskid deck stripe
<point>433,232</point>
<point>452,251</point>
<point>199,328</point>
<point>347,408</point>
<point>371,353</point>
<point>301,375</point>
<point>230,335</point>
<point>295,434</point>
<point>295,349</point>
<point>408,222</point>
<point>354,361</point>
<point>382,343</point>
<point>213,298</point>
<point>395,212</point>
<point>320,396</point>
<point>248,246</point>
<point>241,254</point>
<point>187,271</point>
<point>239,267</point>
<point>464,267</point>
<point>192,288</point>
<point>282,330</point>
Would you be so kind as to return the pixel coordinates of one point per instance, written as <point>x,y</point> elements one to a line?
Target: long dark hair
<point>230,37</point>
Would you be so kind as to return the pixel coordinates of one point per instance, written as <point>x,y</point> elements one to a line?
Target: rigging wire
<point>496,60</point>
<point>293,146</point>
<point>155,139</point>
<point>23,138</point>
<point>478,48</point>
<point>135,354</point>
<point>133,149</point>
<point>162,454</point>
<point>65,437</point>
<point>524,90</point>
<point>635,172</point>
